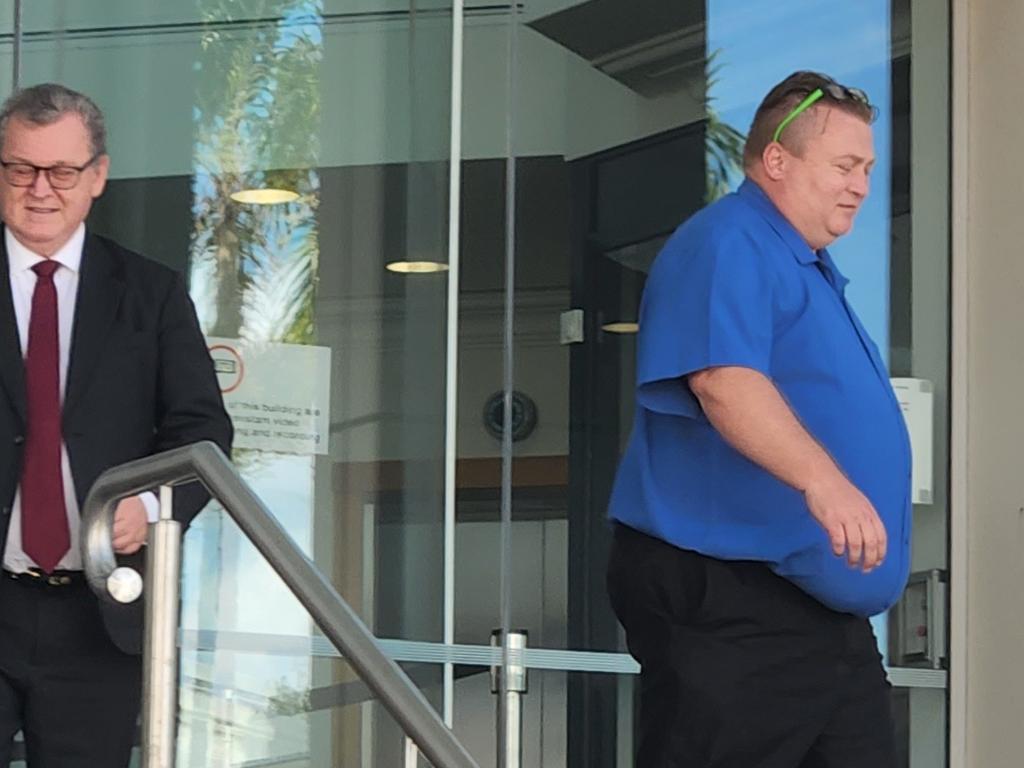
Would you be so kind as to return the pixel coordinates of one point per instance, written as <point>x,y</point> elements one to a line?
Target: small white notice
<point>278,395</point>
<point>916,400</point>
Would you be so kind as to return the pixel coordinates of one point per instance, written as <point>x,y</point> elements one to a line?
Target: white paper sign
<point>278,395</point>
<point>916,402</point>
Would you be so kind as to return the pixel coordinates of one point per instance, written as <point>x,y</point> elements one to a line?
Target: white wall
<point>995,362</point>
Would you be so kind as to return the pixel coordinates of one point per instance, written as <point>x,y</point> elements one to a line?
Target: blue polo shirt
<point>736,285</point>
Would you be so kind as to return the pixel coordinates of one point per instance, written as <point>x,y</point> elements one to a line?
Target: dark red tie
<point>44,520</point>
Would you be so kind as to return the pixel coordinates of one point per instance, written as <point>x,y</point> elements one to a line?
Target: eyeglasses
<point>832,90</point>
<point>59,176</point>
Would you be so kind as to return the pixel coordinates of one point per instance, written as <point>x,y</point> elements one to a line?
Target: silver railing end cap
<point>125,585</point>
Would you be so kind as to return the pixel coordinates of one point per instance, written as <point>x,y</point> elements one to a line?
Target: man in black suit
<point>101,361</point>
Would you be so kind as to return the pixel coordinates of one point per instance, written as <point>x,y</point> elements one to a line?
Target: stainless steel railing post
<point>160,652</point>
<point>510,699</point>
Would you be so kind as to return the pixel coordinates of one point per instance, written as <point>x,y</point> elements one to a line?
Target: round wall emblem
<point>524,415</point>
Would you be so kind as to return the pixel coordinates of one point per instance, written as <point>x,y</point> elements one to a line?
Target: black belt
<point>34,577</point>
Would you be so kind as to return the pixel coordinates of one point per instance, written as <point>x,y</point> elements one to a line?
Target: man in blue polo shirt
<point>762,507</point>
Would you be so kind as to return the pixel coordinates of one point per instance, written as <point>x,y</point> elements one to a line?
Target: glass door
<point>622,120</point>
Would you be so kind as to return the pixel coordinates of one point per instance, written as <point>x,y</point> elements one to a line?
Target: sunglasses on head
<point>831,90</point>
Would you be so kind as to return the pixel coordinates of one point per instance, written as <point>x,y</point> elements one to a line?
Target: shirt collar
<point>838,278</point>
<point>755,196</point>
<point>22,258</point>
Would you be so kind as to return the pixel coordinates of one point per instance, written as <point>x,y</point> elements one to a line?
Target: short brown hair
<point>786,96</point>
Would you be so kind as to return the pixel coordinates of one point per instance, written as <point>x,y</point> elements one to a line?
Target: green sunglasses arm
<point>801,107</point>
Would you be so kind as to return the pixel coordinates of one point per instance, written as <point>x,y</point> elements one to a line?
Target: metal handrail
<point>208,464</point>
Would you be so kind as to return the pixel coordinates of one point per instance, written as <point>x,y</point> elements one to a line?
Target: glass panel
<point>287,720</point>
<point>609,159</point>
<point>291,158</point>
<point>613,124</point>
<point>551,739</point>
<point>538,580</point>
<point>627,118</point>
<point>544,719</point>
<point>332,361</point>
<point>287,710</point>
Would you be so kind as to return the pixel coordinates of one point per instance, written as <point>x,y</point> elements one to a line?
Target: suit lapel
<point>12,365</point>
<point>100,289</point>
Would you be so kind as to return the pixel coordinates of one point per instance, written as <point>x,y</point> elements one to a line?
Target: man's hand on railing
<point>131,525</point>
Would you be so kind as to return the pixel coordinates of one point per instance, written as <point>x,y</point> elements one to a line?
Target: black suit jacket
<point>140,381</point>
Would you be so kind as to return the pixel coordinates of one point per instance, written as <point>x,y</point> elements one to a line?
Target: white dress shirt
<point>23,285</point>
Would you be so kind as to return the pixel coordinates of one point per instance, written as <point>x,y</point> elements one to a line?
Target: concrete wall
<point>995,375</point>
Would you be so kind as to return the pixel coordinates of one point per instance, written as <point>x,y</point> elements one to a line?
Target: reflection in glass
<point>253,268</point>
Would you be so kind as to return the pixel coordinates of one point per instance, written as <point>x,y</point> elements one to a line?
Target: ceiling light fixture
<point>269,196</point>
<point>417,267</point>
<point>621,327</point>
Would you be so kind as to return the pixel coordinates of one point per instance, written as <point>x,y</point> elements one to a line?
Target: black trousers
<point>741,669</point>
<point>63,683</point>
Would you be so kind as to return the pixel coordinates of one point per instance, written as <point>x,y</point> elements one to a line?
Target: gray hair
<point>46,103</point>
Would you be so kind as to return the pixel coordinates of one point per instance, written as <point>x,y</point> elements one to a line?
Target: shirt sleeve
<point>705,305</point>
<point>152,505</point>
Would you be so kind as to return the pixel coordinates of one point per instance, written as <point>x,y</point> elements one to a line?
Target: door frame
<point>959,367</point>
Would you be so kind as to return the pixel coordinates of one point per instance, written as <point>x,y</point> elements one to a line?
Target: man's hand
<point>750,414</point>
<point>131,526</point>
<point>849,519</point>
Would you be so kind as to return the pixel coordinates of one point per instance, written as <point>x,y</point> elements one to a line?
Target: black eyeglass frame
<point>10,166</point>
